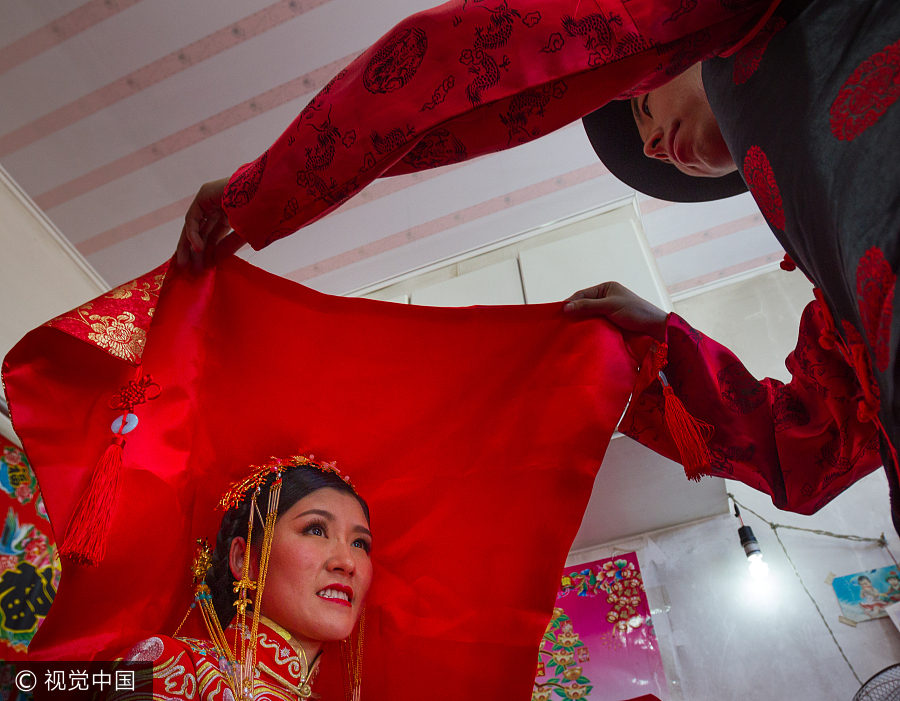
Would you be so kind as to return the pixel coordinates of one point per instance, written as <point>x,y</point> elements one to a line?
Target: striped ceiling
<point>115,111</point>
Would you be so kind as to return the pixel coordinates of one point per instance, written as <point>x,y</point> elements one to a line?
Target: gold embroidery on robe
<point>117,321</point>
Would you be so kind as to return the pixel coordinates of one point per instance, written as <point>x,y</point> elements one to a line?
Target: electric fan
<point>884,686</point>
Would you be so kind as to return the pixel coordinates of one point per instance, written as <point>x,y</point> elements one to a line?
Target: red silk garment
<point>457,426</point>
<point>191,669</point>
<point>469,78</point>
<point>802,443</point>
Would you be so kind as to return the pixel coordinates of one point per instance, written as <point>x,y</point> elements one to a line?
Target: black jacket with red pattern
<point>819,161</point>
<point>809,112</point>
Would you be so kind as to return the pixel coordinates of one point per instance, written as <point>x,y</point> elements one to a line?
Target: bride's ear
<point>236,555</point>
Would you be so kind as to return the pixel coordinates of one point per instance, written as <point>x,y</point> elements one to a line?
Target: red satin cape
<point>459,426</point>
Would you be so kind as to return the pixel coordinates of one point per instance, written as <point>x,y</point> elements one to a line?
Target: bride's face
<point>319,567</point>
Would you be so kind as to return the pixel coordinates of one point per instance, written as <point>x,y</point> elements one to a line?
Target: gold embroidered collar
<point>307,672</point>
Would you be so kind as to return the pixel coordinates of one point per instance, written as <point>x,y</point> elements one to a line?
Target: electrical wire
<point>881,542</point>
<point>816,604</point>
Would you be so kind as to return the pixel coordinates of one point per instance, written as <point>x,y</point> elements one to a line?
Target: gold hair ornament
<point>238,491</point>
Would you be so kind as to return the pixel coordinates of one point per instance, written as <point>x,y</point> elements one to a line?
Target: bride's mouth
<point>337,593</point>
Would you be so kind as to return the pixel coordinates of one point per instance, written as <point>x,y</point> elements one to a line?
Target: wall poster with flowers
<point>29,565</point>
<point>600,642</point>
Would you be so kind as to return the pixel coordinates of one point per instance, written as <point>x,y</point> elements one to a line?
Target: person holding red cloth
<point>793,108</point>
<point>455,82</point>
<point>801,117</point>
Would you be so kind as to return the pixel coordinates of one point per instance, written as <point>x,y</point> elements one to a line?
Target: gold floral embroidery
<point>146,289</point>
<point>118,335</point>
<point>105,322</point>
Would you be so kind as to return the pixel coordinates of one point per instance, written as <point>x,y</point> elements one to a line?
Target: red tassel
<point>689,434</point>
<point>787,263</point>
<point>88,528</point>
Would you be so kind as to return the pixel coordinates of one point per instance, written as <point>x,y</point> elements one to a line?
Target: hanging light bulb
<point>759,568</point>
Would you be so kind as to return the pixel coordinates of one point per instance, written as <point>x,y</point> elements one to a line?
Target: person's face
<point>319,567</point>
<point>677,126</point>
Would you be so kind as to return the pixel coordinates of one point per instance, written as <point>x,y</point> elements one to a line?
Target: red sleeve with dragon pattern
<point>464,79</point>
<point>802,442</point>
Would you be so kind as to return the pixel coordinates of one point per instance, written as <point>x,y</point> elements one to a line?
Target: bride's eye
<point>314,529</point>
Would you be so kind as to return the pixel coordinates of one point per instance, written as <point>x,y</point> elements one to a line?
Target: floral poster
<point>600,642</point>
<point>29,566</point>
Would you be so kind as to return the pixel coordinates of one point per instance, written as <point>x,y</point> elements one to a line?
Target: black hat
<point>617,142</point>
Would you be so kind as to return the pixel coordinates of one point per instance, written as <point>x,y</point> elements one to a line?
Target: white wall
<point>41,274</point>
<point>723,637</point>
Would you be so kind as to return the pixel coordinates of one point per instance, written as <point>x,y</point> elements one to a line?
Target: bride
<point>290,571</point>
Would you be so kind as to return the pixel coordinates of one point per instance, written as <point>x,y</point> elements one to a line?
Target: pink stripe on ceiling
<point>449,221</point>
<point>191,135</point>
<point>726,272</point>
<point>715,232</point>
<point>177,210</point>
<point>123,232</point>
<point>57,31</point>
<point>649,204</point>
<point>155,72</point>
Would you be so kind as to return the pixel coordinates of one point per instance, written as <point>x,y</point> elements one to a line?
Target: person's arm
<point>455,82</point>
<point>801,442</point>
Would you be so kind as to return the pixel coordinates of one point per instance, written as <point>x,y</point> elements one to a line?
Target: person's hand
<point>205,226</point>
<point>621,306</point>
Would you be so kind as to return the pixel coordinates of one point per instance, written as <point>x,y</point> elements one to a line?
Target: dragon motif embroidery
<point>393,140</point>
<point>497,33</point>
<point>685,7</point>
<point>526,105</point>
<point>438,147</point>
<point>321,155</point>
<point>244,185</point>
<point>788,410</point>
<point>328,192</point>
<point>739,390</point>
<point>397,61</point>
<point>597,32</point>
<point>723,459</point>
<point>486,70</point>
